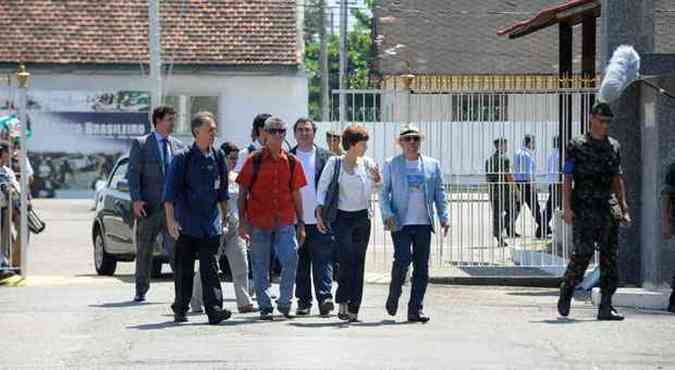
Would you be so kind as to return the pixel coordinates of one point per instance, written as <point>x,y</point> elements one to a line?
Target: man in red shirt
<point>270,210</point>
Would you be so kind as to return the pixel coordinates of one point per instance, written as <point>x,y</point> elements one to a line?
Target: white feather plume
<point>623,68</point>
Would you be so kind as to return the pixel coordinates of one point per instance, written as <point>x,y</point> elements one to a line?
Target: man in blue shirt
<point>524,172</point>
<point>196,211</point>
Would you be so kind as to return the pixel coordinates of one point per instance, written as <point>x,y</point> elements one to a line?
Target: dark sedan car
<point>113,232</point>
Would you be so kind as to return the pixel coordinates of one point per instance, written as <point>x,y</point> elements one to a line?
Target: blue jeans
<point>315,262</point>
<point>282,240</point>
<point>419,238</point>
<point>352,233</point>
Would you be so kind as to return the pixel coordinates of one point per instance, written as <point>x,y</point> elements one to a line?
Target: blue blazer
<point>394,191</point>
<point>146,172</point>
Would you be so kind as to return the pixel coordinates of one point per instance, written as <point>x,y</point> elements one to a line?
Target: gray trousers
<point>235,250</point>
<point>147,230</point>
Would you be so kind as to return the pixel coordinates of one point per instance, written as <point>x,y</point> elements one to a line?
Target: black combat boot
<point>606,312</point>
<point>565,300</point>
<point>671,304</point>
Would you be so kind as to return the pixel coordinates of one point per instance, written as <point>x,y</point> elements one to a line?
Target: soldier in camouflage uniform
<point>501,187</point>
<point>668,219</point>
<point>593,164</point>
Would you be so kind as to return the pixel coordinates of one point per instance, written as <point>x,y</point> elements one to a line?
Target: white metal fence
<point>460,128</point>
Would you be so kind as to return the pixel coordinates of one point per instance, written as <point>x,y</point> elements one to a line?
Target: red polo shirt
<point>270,202</point>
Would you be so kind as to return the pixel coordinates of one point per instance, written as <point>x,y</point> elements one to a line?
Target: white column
<point>222,120</point>
<point>155,52</point>
<point>183,115</point>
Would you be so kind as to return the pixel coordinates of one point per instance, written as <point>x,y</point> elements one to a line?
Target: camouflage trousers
<point>503,205</point>
<point>594,230</point>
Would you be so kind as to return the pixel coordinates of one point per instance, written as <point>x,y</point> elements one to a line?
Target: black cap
<point>602,109</point>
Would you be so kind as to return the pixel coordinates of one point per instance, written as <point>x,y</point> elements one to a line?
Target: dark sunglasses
<point>412,139</point>
<point>277,131</point>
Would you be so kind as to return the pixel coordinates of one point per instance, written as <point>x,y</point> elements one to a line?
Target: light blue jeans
<point>283,240</point>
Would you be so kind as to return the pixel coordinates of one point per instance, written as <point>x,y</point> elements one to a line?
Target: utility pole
<point>323,60</point>
<point>332,21</point>
<point>155,53</point>
<point>343,60</point>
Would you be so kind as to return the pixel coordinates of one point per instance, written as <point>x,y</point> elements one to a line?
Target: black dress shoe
<point>266,316</point>
<point>139,297</point>
<point>418,316</point>
<point>342,312</point>
<point>286,311</point>
<point>180,317</point>
<point>219,316</point>
<point>606,313</point>
<point>303,311</point>
<point>565,300</point>
<point>391,305</point>
<point>326,307</point>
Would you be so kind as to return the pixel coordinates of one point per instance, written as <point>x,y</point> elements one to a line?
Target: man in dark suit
<point>149,161</point>
<point>316,254</point>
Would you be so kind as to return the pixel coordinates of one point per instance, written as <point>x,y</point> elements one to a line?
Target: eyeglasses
<point>276,131</point>
<point>412,139</point>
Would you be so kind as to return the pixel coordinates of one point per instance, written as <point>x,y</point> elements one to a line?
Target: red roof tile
<point>219,32</point>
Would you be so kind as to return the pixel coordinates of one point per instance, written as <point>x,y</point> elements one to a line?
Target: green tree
<point>360,60</point>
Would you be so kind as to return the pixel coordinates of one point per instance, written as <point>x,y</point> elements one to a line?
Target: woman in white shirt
<point>358,179</point>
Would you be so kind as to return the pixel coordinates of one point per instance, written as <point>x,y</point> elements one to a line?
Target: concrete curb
<point>636,298</point>
<point>516,281</point>
<point>12,281</point>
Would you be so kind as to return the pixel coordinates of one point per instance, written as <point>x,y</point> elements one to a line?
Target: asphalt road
<point>66,317</point>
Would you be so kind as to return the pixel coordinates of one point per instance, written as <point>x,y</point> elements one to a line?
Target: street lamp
<point>23,76</point>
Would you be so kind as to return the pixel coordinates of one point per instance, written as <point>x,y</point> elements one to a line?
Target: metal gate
<point>460,127</point>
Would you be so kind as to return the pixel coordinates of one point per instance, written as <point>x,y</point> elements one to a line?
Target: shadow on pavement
<point>647,312</point>
<point>131,279</point>
<point>563,321</point>
<point>127,278</point>
<point>334,324</point>
<point>124,304</point>
<point>344,324</point>
<point>156,326</point>
<point>203,322</point>
<point>535,294</point>
<point>384,323</point>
